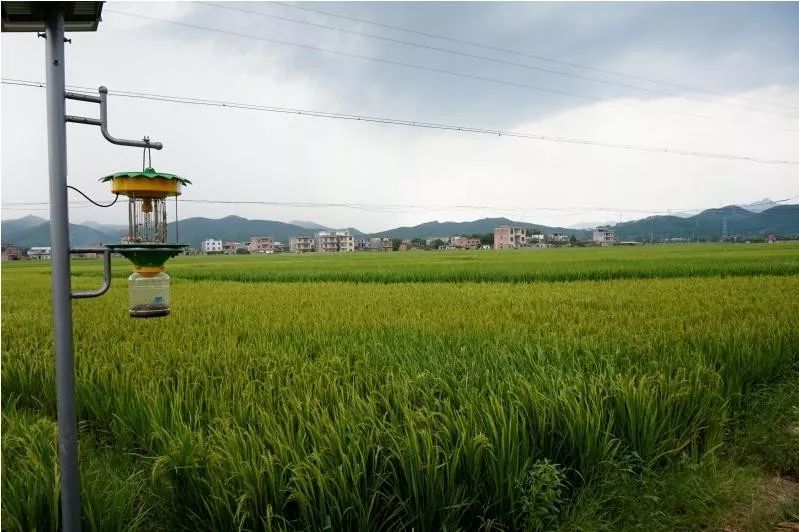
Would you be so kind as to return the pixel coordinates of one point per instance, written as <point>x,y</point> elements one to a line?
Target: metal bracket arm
<point>106,273</point>
<point>103,121</point>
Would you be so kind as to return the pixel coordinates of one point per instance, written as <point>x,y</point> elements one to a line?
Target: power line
<point>408,123</point>
<point>524,54</point>
<point>492,59</point>
<point>392,207</point>
<point>437,70</point>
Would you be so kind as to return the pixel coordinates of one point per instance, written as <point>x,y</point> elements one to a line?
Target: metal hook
<point>147,150</point>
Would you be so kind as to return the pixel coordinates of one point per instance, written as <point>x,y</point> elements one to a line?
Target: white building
<point>559,238</point>
<point>39,253</point>
<point>604,236</point>
<point>301,244</point>
<point>211,246</point>
<point>334,241</point>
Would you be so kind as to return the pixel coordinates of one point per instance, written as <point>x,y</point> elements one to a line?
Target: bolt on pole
<point>62,306</point>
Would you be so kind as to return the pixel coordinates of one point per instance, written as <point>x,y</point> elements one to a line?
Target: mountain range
<point>780,220</point>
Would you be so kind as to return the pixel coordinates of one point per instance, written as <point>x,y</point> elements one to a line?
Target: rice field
<point>403,391</point>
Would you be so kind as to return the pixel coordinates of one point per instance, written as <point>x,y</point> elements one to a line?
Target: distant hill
<point>591,225</point>
<point>107,228</point>
<point>308,225</point>
<point>32,231</point>
<point>759,206</point>
<point>79,235</point>
<point>193,231</point>
<point>18,226</point>
<point>782,220</point>
<point>482,226</point>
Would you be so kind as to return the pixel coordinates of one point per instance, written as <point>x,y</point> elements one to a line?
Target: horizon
<point>575,227</point>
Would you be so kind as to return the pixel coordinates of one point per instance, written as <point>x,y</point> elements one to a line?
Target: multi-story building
<point>40,253</point>
<point>334,241</point>
<point>12,253</point>
<point>380,244</point>
<point>558,238</point>
<point>211,246</point>
<point>458,242</point>
<point>405,245</point>
<point>604,236</point>
<point>302,244</point>
<point>231,248</point>
<point>261,244</point>
<point>472,243</point>
<point>506,237</point>
<point>464,242</point>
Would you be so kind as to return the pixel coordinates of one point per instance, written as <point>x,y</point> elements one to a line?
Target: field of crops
<point>425,390</point>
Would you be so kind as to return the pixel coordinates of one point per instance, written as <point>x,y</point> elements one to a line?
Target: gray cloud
<point>745,49</point>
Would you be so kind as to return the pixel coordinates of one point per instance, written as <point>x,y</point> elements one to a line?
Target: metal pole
<point>59,241</point>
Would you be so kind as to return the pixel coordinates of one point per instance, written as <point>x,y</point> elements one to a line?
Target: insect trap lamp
<point>145,244</point>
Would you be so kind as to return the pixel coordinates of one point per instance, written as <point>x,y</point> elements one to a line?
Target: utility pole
<point>55,18</point>
<point>59,241</point>
<point>724,229</point>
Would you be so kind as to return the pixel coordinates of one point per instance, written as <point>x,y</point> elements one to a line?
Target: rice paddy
<point>419,390</point>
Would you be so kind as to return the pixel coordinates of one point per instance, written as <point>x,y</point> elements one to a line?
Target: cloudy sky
<point>741,57</point>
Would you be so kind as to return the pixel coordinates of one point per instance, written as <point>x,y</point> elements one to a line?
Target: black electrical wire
<point>408,123</point>
<point>435,70</point>
<point>116,197</point>
<point>495,60</point>
<point>299,5</point>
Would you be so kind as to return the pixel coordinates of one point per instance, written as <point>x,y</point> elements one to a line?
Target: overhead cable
<point>438,70</point>
<point>492,59</point>
<point>411,123</point>
<point>300,6</point>
<point>392,207</point>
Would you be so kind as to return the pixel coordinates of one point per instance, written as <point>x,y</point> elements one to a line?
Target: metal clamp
<point>103,121</point>
<point>106,273</point>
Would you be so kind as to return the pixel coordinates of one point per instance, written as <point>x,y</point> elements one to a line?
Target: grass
<point>510,266</point>
<point>394,405</point>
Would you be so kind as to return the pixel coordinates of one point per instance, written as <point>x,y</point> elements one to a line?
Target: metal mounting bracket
<point>106,273</point>
<point>103,121</point>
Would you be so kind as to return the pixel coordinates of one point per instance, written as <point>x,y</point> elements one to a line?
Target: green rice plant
<point>391,405</point>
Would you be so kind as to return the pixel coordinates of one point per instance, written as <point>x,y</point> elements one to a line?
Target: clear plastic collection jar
<point>148,291</point>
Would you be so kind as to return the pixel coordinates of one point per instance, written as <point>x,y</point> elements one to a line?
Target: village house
<point>334,241</point>
<point>506,237</point>
<point>380,244</point>
<point>12,253</point>
<point>457,242</point>
<point>558,238</point>
<point>302,244</point>
<point>473,243</point>
<point>211,245</point>
<point>261,244</point>
<point>604,236</point>
<point>40,253</point>
<point>231,248</point>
